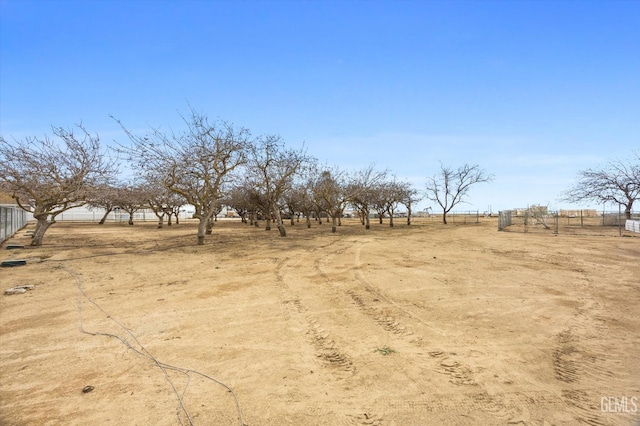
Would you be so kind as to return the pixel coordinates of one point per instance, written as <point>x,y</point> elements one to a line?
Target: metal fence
<point>84,215</point>
<point>565,222</point>
<point>81,214</point>
<point>504,219</point>
<point>468,216</point>
<point>12,219</point>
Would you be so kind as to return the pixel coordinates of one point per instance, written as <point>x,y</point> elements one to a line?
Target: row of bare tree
<point>208,165</point>
<point>211,164</point>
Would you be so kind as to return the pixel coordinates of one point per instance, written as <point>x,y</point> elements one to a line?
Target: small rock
<point>87,389</point>
<point>26,286</point>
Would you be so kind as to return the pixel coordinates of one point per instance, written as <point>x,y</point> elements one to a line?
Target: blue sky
<point>533,92</point>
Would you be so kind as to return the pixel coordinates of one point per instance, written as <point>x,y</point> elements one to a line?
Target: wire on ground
<point>145,353</point>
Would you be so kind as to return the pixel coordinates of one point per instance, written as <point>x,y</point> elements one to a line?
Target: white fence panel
<point>633,226</point>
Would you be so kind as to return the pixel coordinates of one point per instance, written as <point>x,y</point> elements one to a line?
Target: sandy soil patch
<point>420,325</point>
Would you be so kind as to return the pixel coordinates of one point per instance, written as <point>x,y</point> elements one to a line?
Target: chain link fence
<point>464,217</point>
<point>12,219</point>
<point>586,221</point>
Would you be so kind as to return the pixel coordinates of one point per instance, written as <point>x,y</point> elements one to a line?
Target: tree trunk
<point>104,218</point>
<point>209,228</point>
<point>268,226</point>
<point>334,221</point>
<point>627,210</point>
<point>408,215</point>
<point>390,220</point>
<point>308,221</point>
<point>293,220</point>
<point>130,218</point>
<point>202,226</point>
<point>367,222</point>
<point>279,222</point>
<point>380,218</point>
<point>444,217</point>
<point>41,227</point>
<point>160,220</point>
<point>169,219</point>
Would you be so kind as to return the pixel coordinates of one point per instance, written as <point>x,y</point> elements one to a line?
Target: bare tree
<point>47,178</point>
<point>103,197</point>
<point>272,167</point>
<point>362,188</point>
<point>196,164</point>
<point>539,214</point>
<point>409,197</point>
<point>163,202</point>
<point>291,204</point>
<point>172,206</point>
<point>131,198</point>
<point>300,198</point>
<point>450,187</point>
<point>379,200</point>
<point>617,182</point>
<point>238,199</point>
<point>387,195</point>
<point>331,194</point>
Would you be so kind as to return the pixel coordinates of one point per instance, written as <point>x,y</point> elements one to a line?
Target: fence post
<point>620,219</point>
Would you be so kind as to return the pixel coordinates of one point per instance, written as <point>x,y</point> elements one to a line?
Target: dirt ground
<point>421,325</point>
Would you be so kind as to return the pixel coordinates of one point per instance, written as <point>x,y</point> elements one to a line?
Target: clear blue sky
<point>533,92</point>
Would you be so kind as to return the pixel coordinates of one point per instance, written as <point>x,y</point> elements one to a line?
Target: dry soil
<point>421,325</point>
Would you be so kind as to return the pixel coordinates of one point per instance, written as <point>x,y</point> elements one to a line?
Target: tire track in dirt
<point>576,360</point>
<point>365,302</point>
<point>294,310</point>
<point>332,292</point>
<point>393,326</point>
<point>480,407</point>
<point>379,295</point>
<point>388,323</point>
<point>328,354</point>
<point>512,411</point>
<point>572,362</point>
<point>398,322</point>
<point>459,373</point>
